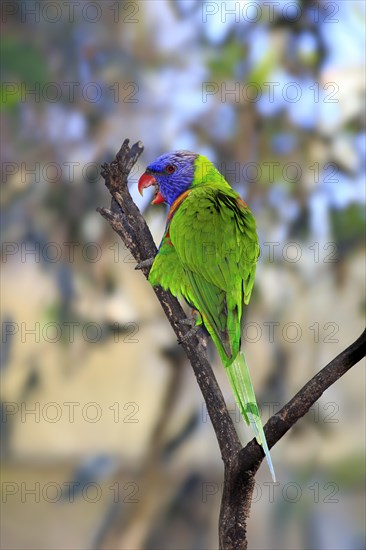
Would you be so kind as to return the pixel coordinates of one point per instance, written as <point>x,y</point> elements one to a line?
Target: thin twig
<point>276,427</point>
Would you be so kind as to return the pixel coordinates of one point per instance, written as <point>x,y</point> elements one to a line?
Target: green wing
<point>167,271</point>
<point>214,236</point>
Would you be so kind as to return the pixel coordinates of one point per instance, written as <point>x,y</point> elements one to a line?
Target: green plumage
<point>208,255</point>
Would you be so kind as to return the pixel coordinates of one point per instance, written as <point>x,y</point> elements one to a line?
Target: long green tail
<point>241,384</point>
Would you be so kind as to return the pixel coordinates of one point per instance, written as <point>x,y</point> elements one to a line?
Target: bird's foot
<point>195,320</point>
<point>191,333</point>
<point>145,263</point>
<point>189,321</point>
<point>197,328</point>
<point>196,324</point>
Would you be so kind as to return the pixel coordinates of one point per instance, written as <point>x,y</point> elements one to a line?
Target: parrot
<point>208,256</point>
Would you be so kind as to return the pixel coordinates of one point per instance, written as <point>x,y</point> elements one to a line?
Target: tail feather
<point>241,384</point>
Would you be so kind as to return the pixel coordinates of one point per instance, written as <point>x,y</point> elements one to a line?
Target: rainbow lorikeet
<point>208,255</point>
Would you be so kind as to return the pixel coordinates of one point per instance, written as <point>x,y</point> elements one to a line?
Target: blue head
<point>171,174</point>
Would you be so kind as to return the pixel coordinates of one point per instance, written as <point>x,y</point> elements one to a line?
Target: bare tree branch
<point>239,475</point>
<point>241,464</point>
<point>300,404</point>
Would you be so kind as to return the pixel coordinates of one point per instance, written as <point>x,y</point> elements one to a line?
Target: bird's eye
<point>170,168</point>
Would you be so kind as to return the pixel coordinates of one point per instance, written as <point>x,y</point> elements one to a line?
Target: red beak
<point>147,180</point>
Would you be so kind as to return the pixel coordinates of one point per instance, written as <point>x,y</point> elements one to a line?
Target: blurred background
<point>106,442</point>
